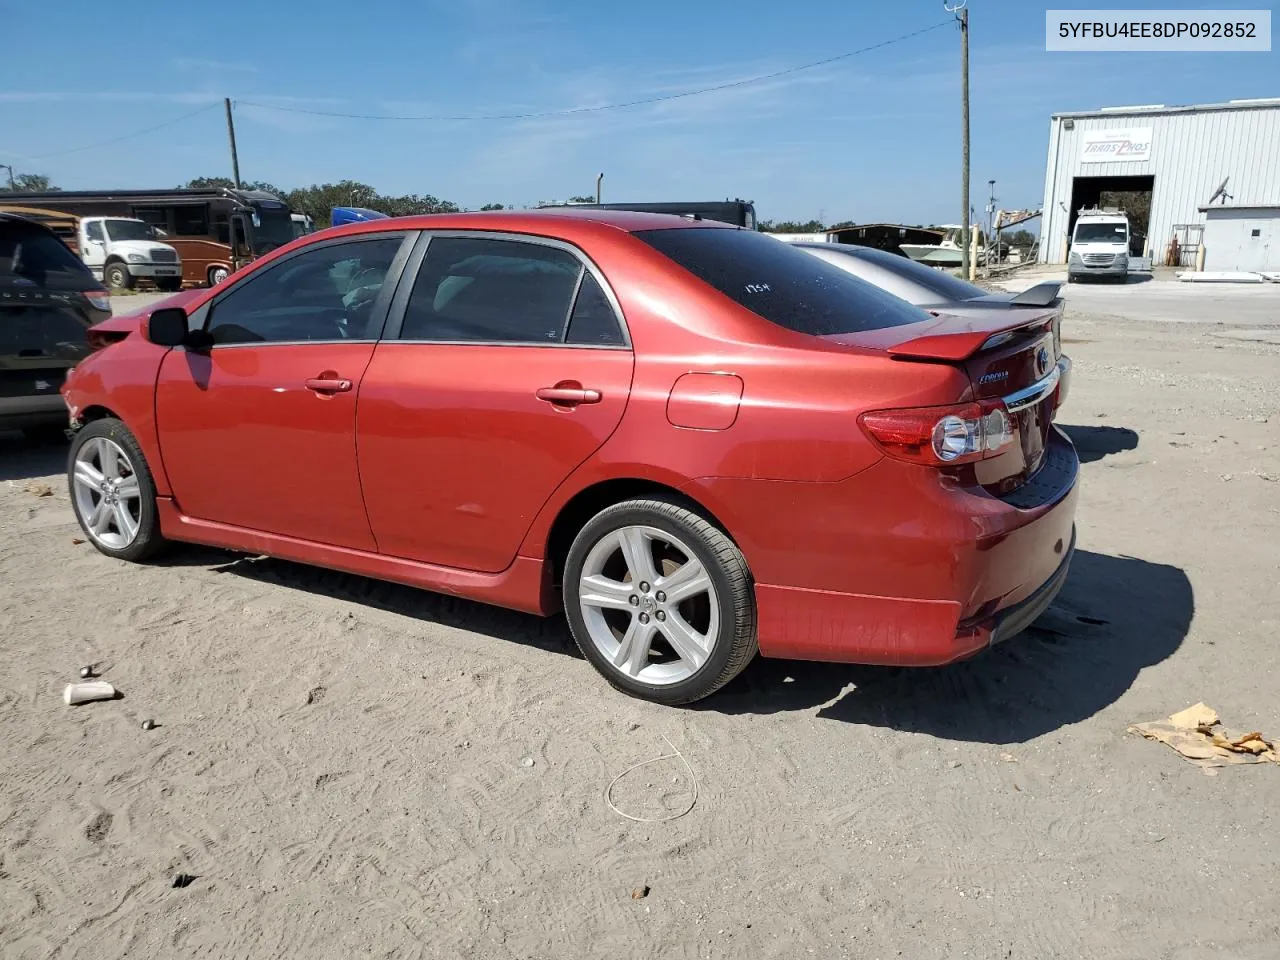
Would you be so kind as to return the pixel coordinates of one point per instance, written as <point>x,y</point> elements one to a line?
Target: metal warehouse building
<point>1172,162</point>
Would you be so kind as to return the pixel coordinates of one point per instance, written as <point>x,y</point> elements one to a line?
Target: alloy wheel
<point>108,498</point>
<point>649,605</point>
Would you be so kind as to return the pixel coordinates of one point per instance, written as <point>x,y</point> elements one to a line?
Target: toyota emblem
<point>1042,361</point>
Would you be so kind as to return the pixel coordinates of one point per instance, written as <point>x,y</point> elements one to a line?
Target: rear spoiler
<point>1041,295</point>
<point>954,347</point>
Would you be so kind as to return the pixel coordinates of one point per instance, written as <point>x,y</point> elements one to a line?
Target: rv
<point>216,230</point>
<point>119,251</point>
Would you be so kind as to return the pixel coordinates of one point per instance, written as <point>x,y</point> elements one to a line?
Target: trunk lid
<point>1008,353</point>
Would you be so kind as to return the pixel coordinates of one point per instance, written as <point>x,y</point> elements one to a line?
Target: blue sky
<point>870,138</point>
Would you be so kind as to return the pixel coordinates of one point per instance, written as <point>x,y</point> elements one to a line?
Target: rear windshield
<point>31,255</point>
<point>780,283</point>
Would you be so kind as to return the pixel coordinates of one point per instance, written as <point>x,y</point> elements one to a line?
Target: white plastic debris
<point>85,692</point>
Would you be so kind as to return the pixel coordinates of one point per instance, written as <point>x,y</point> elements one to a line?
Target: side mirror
<point>167,327</point>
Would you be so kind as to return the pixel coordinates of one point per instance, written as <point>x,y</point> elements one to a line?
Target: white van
<point>1099,245</point>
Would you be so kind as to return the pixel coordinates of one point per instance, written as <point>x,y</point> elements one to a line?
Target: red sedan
<point>695,440</point>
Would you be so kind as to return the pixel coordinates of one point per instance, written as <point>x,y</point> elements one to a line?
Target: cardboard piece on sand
<point>1197,735</point>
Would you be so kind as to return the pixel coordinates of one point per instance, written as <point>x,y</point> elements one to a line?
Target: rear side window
<point>593,321</point>
<point>783,285</point>
<point>29,254</point>
<point>491,291</point>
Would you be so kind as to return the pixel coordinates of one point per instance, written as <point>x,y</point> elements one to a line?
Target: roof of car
<point>8,217</point>
<point>854,250</point>
<point>530,221</point>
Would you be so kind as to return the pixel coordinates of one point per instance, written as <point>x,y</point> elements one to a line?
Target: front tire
<point>660,601</point>
<point>112,492</point>
<point>217,275</point>
<point>117,277</point>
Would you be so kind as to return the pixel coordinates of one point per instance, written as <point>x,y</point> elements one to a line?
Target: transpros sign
<point>1116,146</point>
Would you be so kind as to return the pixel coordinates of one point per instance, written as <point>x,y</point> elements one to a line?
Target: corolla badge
<point>994,377</point>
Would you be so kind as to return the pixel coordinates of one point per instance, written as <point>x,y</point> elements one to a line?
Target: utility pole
<point>10,169</point>
<point>235,158</point>
<point>991,212</point>
<point>961,11</point>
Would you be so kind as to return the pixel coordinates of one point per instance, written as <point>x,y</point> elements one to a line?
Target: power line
<point>128,136</point>
<point>610,106</point>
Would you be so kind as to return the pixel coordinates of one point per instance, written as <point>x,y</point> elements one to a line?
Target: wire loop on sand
<point>608,792</point>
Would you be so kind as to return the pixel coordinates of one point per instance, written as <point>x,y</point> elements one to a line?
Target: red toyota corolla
<point>695,440</point>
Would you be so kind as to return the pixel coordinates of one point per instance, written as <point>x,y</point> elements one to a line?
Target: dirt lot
<point>350,769</point>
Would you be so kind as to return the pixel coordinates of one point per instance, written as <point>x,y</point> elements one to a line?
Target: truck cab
<point>1099,245</point>
<point>120,251</point>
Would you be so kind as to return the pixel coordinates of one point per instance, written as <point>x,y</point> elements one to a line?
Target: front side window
<point>783,285</point>
<point>492,291</point>
<point>326,293</point>
<point>93,231</point>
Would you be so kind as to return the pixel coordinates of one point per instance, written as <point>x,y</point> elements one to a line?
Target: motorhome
<point>216,230</point>
<point>119,251</point>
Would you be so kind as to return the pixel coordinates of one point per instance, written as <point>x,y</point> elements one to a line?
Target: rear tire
<point>112,492</point>
<point>674,645</point>
<point>117,276</point>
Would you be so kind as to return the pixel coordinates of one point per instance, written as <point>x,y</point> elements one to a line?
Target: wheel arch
<point>96,411</point>
<point>574,514</point>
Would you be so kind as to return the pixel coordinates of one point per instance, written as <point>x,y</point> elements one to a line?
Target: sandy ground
<point>351,769</point>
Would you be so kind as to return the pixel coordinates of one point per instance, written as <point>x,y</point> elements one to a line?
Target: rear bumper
<point>894,567</point>
<point>1012,621</point>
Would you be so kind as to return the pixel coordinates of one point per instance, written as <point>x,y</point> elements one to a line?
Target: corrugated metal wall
<point>1191,153</point>
<point>1229,242</point>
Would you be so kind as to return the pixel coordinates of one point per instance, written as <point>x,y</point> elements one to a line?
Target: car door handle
<point>327,385</point>
<point>568,396</point>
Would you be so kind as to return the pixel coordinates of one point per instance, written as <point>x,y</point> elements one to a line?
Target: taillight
<point>98,299</point>
<point>941,436</point>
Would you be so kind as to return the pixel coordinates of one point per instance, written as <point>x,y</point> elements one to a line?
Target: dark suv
<point>48,301</point>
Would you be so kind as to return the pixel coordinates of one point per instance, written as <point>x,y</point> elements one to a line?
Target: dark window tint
<point>942,285</point>
<point>325,293</point>
<point>30,255</point>
<point>492,291</point>
<point>93,230</point>
<point>158,217</point>
<point>593,320</point>
<point>191,221</point>
<point>780,283</point>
